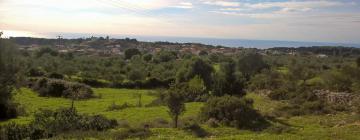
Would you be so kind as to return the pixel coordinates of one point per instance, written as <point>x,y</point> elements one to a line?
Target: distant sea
<point>247,43</point>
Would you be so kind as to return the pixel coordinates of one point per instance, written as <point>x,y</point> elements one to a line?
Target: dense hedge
<point>145,84</point>
<point>62,88</point>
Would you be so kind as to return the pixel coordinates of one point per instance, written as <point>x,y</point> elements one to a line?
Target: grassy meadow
<point>340,126</point>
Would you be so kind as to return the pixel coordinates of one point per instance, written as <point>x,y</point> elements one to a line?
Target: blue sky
<point>297,20</point>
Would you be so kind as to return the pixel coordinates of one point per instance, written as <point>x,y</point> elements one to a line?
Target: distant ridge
<point>247,43</point>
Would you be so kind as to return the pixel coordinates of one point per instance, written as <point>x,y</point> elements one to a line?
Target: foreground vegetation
<point>339,126</point>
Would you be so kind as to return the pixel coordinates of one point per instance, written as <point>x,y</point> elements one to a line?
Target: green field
<point>340,126</point>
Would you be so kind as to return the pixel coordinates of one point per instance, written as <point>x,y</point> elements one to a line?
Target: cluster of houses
<point>113,47</point>
<point>110,49</point>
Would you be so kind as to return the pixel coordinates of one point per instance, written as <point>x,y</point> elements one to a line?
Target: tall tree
<point>228,80</point>
<point>175,101</point>
<point>251,64</point>
<point>8,78</point>
<point>196,66</point>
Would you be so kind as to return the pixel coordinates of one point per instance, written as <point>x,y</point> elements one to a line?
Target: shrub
<point>129,133</point>
<point>8,110</point>
<point>233,111</point>
<point>213,123</point>
<point>62,88</point>
<point>97,122</point>
<point>13,131</point>
<point>195,129</point>
<point>55,75</point>
<point>93,82</point>
<point>49,123</point>
<point>156,123</point>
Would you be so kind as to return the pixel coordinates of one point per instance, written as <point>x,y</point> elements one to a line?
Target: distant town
<point>106,46</point>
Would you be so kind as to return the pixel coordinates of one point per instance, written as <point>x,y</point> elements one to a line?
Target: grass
<point>315,127</point>
<point>32,103</point>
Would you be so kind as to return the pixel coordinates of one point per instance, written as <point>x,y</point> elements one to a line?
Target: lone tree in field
<point>175,102</point>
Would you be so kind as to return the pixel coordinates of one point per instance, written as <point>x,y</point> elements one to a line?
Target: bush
<point>213,123</point>
<point>93,82</point>
<point>233,111</point>
<point>14,131</point>
<point>47,124</point>
<point>195,129</point>
<point>62,88</point>
<point>55,75</point>
<point>129,133</point>
<point>8,110</point>
<point>144,84</point>
<point>97,122</point>
<point>156,123</point>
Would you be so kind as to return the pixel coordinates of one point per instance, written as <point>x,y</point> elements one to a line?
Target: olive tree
<point>175,101</point>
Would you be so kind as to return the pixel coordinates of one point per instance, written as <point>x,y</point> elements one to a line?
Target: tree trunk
<point>176,121</point>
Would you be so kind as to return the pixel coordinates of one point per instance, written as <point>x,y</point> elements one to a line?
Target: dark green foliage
<point>9,78</point>
<point>136,75</point>
<point>13,131</point>
<point>194,67</point>
<point>267,79</point>
<point>61,88</point>
<point>358,62</point>
<point>233,111</point>
<point>175,101</point>
<point>195,129</point>
<point>301,70</point>
<point>55,75</point>
<point>46,50</point>
<point>145,84</point>
<point>147,57</point>
<point>228,81</point>
<point>251,64</point>
<point>93,82</point>
<point>36,72</point>
<point>129,133</point>
<point>129,53</point>
<point>165,56</point>
<point>47,124</point>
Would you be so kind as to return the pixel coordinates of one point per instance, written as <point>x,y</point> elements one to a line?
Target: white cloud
<point>184,5</point>
<point>222,3</point>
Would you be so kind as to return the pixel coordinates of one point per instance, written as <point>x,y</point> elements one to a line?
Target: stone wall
<point>342,98</point>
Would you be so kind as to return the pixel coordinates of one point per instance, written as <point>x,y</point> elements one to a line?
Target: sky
<point>295,20</point>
